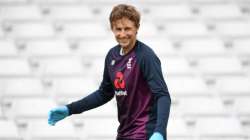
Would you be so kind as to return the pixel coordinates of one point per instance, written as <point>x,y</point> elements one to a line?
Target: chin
<point>124,45</point>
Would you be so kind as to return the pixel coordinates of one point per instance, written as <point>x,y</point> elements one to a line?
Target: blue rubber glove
<point>156,136</point>
<point>57,114</point>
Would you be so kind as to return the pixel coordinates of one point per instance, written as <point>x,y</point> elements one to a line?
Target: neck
<point>129,48</point>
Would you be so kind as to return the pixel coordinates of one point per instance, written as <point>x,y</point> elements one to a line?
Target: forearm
<point>93,100</point>
<point>163,109</point>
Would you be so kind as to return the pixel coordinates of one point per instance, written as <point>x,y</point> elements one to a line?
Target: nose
<point>122,33</point>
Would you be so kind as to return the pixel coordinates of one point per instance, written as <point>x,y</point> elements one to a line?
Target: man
<point>133,74</point>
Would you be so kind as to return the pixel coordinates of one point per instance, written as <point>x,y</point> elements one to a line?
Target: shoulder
<point>145,52</point>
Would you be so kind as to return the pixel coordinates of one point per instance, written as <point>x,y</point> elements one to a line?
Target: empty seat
<point>220,66</point>
<point>61,66</point>
<point>186,29</point>
<point>241,47</point>
<point>92,48</point>
<point>202,106</point>
<point>225,127</point>
<point>177,128</point>
<point>161,46</point>
<point>69,12</point>
<point>147,29</point>
<point>74,87</point>
<point>175,66</point>
<point>28,108</point>
<point>7,48</point>
<point>20,12</point>
<point>220,11</point>
<point>12,1</point>
<point>233,29</point>
<point>47,48</point>
<point>14,67</point>
<point>168,12</point>
<point>95,67</point>
<point>1,112</point>
<point>203,47</point>
<point>1,33</point>
<point>30,30</point>
<point>241,106</point>
<point>23,87</point>
<point>56,1</point>
<point>8,130</point>
<point>84,30</point>
<point>63,130</point>
<point>233,85</point>
<point>187,86</point>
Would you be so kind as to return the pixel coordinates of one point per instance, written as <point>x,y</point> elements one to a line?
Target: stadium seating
<point>20,12</point>
<point>8,130</point>
<point>7,48</point>
<point>39,129</point>
<point>14,67</point>
<point>52,52</point>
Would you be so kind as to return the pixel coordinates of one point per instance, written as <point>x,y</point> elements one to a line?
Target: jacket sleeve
<point>101,96</point>
<point>152,72</point>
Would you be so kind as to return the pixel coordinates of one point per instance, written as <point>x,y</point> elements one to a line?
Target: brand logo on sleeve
<point>120,84</point>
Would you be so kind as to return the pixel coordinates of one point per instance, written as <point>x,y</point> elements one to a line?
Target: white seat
<point>20,12</point>
<point>233,29</point>
<point>23,87</point>
<point>186,29</point>
<point>94,48</point>
<point>175,66</point>
<point>177,128</point>
<point>187,86</point>
<point>56,1</point>
<point>31,30</point>
<point>203,47</point>
<point>220,11</point>
<point>14,67</point>
<point>202,106</point>
<point>84,30</point>
<point>47,48</point>
<point>227,127</point>
<point>63,130</point>
<point>161,46</point>
<point>8,130</point>
<point>95,67</point>
<point>28,108</point>
<point>1,112</point>
<point>73,87</point>
<point>1,33</point>
<point>233,85</point>
<point>70,12</point>
<point>61,66</point>
<point>12,1</point>
<point>171,11</point>
<point>147,29</point>
<point>241,47</point>
<point>241,105</point>
<point>7,48</point>
<point>220,66</point>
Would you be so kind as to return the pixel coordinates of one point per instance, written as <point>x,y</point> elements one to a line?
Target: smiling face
<point>125,33</point>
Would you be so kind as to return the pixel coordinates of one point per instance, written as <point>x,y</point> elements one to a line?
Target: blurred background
<point>52,53</point>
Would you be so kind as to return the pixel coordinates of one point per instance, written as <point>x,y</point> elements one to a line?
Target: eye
<point>127,29</point>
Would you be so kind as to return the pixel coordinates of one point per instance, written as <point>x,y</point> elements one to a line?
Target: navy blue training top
<point>136,80</point>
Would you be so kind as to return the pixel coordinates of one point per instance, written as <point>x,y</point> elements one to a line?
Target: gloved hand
<point>156,136</point>
<point>57,114</point>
